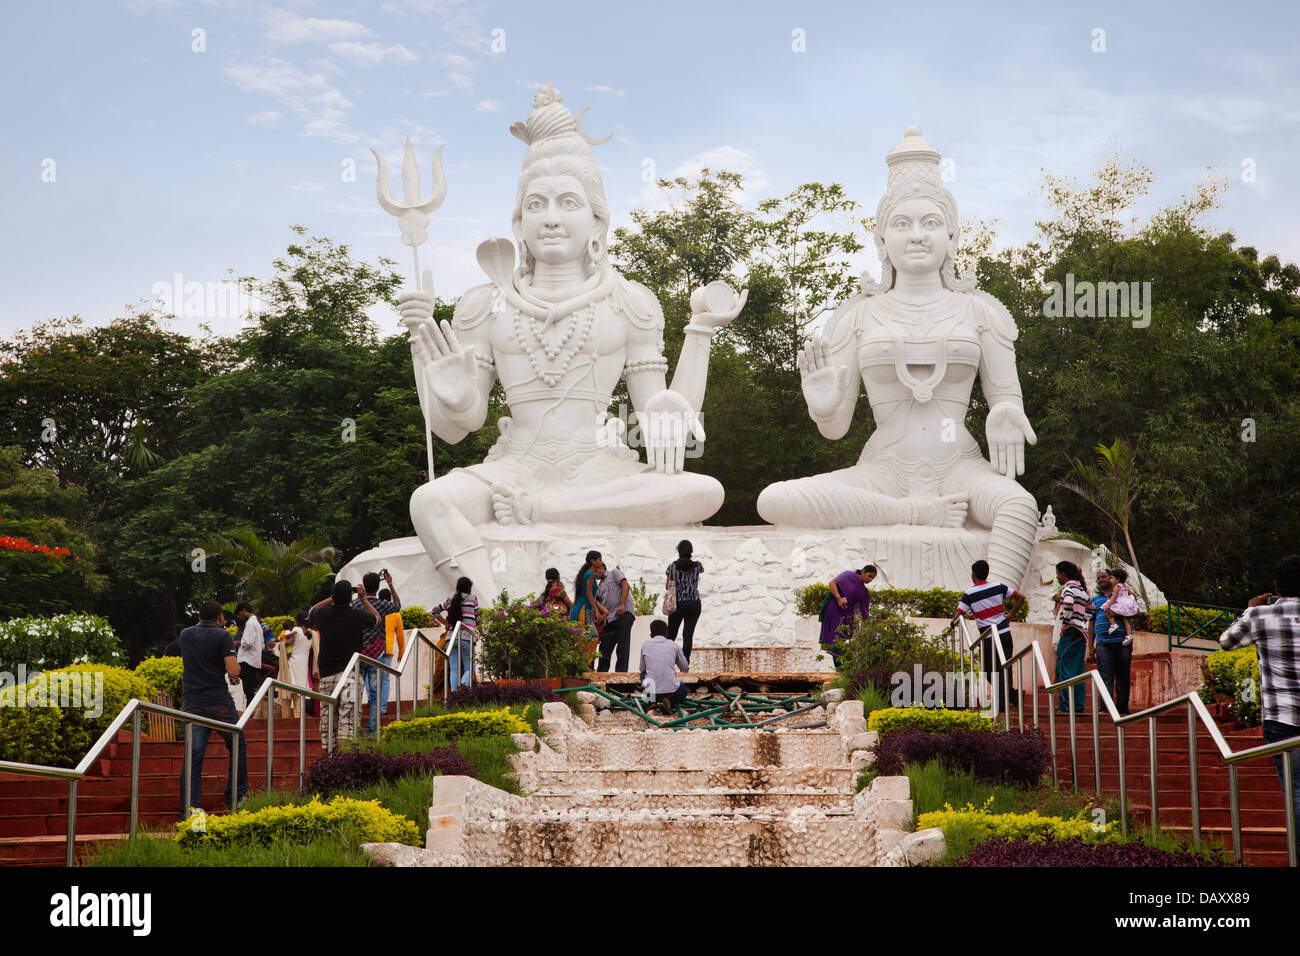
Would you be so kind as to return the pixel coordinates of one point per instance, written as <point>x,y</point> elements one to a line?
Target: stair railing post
<point>1074,745</point>
<point>1096,735</point>
<point>235,737</point>
<point>1151,748</point>
<point>188,769</point>
<point>135,772</point>
<point>302,742</point>
<point>1234,798</point>
<point>69,854</point>
<point>1193,771</point>
<point>270,740</point>
<point>1051,729</point>
<point>1288,770</point>
<point>1123,780</point>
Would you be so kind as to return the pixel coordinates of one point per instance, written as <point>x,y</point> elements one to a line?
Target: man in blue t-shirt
<point>209,666</point>
<point>1110,649</point>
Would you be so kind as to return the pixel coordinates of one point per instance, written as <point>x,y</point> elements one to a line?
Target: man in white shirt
<point>250,650</point>
<point>661,659</point>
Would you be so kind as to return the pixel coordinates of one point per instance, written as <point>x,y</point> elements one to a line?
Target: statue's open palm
<point>451,366</point>
<point>1007,429</point>
<point>824,384</point>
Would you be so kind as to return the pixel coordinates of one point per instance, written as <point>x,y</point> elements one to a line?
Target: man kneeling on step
<point>661,658</point>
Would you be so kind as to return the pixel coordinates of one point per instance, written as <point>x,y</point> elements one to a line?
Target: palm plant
<point>1110,486</point>
<point>278,578</point>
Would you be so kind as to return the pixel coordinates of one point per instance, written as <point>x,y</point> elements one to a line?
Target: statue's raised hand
<point>824,385</point>
<point>666,422</point>
<point>1007,430</point>
<point>450,368</point>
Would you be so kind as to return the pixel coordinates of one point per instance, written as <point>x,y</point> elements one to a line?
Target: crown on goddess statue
<point>551,130</point>
<point>914,174</point>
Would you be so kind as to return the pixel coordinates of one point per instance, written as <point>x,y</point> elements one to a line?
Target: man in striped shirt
<point>1272,623</point>
<point>986,601</point>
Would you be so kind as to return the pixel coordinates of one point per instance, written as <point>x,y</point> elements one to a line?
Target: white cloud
<point>286,27</point>
<point>613,91</point>
<point>372,54</point>
<point>264,118</point>
<point>733,159</point>
<point>462,81</point>
<point>489,106</point>
<point>309,96</point>
<point>306,187</point>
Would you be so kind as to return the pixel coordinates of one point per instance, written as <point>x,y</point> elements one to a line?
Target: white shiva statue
<point>558,332</point>
<point>916,341</point>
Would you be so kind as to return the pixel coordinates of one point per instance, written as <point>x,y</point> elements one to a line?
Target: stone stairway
<point>627,797</point>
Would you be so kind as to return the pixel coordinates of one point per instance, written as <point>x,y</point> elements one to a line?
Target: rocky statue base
<point>751,574</point>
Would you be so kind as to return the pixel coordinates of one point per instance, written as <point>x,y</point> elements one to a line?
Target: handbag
<point>670,596</point>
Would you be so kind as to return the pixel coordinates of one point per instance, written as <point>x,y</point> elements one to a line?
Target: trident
<point>413,223</point>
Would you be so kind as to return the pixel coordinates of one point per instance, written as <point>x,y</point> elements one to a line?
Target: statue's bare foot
<point>511,506</point>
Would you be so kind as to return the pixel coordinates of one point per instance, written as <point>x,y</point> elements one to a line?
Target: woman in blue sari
<point>848,601</point>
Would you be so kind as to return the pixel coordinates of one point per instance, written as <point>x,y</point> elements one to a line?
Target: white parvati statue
<point>558,332</point>
<point>916,341</point>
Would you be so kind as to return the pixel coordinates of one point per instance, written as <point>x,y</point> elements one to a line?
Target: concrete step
<point>779,798</point>
<point>705,749</point>
<point>632,839</point>
<point>731,778</point>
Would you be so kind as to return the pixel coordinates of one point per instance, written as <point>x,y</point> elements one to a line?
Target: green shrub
<point>521,641</point>
<point>1028,826</point>
<point>416,616</point>
<point>42,643</point>
<point>885,644</point>
<point>165,675</point>
<point>279,623</point>
<point>364,821</point>
<point>468,723</point>
<point>33,733</point>
<point>645,603</point>
<point>811,599</point>
<point>893,719</point>
<point>903,602</point>
<point>1191,619</point>
<point>1236,675</point>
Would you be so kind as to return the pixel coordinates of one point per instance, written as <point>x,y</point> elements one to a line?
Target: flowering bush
<point>519,640</point>
<point>363,768</point>
<point>466,723</point>
<point>1075,851</point>
<point>40,643</point>
<point>887,643</point>
<point>494,693</point>
<point>1012,756</point>
<point>894,719</point>
<point>11,543</point>
<point>365,821</point>
<point>1029,826</point>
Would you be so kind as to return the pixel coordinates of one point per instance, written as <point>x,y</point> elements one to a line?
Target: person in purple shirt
<point>848,601</point>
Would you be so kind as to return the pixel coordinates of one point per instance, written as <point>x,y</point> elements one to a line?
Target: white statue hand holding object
<point>824,385</point>
<point>713,306</point>
<point>450,366</point>
<point>1007,429</point>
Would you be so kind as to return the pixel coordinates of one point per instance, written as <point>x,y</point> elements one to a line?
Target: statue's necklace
<point>559,356</point>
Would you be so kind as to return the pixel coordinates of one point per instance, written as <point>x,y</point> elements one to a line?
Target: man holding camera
<point>341,627</point>
<point>1272,623</point>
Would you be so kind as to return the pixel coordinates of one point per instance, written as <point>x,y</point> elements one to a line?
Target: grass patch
<point>162,851</point>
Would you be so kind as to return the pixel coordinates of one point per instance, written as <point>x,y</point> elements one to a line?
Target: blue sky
<point>171,161</point>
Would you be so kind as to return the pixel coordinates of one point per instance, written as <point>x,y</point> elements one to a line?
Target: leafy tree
<point>277,577</point>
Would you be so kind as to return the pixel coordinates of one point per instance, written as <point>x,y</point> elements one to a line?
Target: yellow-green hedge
<point>60,737</point>
<point>893,719</point>
<point>1028,826</point>
<point>165,675</point>
<point>1236,674</point>
<point>366,821</point>
<point>467,723</point>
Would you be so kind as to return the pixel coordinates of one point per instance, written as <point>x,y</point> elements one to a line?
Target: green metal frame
<point>732,712</point>
<point>1214,626</point>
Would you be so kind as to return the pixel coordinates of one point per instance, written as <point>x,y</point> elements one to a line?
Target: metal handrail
<point>1196,710</point>
<point>134,707</point>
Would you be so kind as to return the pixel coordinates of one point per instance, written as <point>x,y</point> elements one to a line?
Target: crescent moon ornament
<point>583,133</point>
